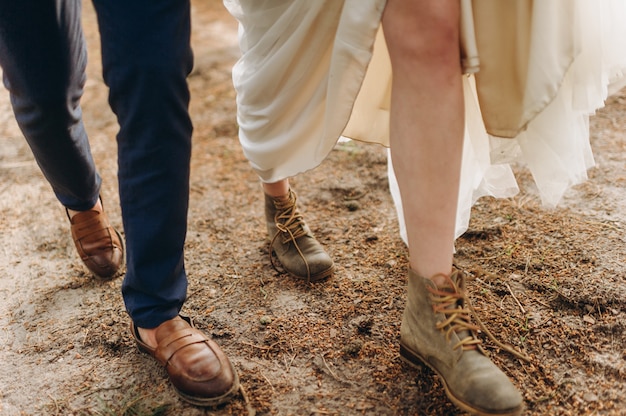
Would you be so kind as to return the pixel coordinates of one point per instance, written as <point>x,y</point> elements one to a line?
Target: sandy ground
<point>552,283</point>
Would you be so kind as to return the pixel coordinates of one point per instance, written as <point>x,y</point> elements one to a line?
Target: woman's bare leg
<point>426,147</point>
<point>276,189</point>
<point>427,121</point>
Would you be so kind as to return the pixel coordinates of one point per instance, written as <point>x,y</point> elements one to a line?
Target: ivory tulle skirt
<point>312,71</point>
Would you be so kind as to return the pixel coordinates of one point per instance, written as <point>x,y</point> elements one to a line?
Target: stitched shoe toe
<point>484,388</point>
<point>314,263</point>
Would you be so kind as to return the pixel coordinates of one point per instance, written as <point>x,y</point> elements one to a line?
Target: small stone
<point>353,347</point>
<point>590,397</point>
<point>265,320</point>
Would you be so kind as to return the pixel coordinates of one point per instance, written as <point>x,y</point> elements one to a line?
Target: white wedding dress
<point>312,71</point>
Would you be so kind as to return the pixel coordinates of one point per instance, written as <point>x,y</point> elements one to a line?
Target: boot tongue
<point>284,201</point>
<point>458,279</point>
<point>455,283</point>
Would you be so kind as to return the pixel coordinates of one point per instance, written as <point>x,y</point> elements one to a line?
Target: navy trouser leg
<point>43,57</point>
<point>146,59</point>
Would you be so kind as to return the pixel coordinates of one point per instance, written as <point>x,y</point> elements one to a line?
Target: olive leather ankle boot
<point>299,253</point>
<point>436,330</point>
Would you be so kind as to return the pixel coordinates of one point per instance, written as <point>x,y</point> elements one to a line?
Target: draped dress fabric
<point>312,71</point>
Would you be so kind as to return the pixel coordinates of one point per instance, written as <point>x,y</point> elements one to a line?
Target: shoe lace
<point>288,219</point>
<point>449,302</point>
<point>290,225</point>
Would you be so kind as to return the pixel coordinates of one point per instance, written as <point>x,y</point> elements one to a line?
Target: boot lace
<point>449,302</point>
<point>290,225</point>
<point>288,219</point>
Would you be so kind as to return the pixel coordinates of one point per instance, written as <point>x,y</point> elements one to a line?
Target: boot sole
<point>416,361</point>
<point>325,275</point>
<point>314,278</point>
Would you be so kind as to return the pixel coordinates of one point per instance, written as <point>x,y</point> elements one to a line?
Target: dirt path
<point>550,282</point>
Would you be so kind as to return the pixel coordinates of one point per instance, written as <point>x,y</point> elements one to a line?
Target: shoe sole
<point>416,361</point>
<point>315,278</point>
<point>212,401</point>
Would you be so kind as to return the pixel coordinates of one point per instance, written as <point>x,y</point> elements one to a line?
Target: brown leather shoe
<point>198,369</point>
<point>99,245</point>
